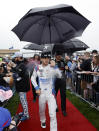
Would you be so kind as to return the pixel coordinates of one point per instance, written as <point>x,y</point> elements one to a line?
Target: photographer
<point>6,122</point>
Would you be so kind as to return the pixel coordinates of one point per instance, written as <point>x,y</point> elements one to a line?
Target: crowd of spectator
<point>15,74</point>
<point>87,68</point>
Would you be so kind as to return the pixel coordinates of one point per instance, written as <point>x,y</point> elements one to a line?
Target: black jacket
<point>61,65</point>
<point>2,81</point>
<point>22,82</point>
<point>86,65</point>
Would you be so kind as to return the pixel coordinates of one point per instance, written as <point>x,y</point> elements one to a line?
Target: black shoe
<point>43,125</point>
<point>21,114</point>
<point>23,118</point>
<point>57,109</point>
<point>16,118</point>
<point>64,113</point>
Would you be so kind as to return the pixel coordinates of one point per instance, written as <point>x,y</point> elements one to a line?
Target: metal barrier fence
<point>82,80</point>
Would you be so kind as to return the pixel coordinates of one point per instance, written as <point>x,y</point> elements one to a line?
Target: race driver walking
<point>46,76</point>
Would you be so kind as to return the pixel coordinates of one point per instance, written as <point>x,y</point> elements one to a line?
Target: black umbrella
<point>33,46</point>
<point>75,45</point>
<point>51,25</point>
<point>67,47</point>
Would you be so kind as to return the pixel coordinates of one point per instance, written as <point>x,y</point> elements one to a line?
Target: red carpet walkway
<point>75,121</point>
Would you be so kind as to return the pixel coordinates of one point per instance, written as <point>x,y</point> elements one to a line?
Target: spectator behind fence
<point>95,83</point>
<point>68,64</point>
<point>86,66</point>
<point>94,52</point>
<point>73,70</point>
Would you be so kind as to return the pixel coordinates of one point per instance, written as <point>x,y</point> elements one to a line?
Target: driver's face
<point>45,61</point>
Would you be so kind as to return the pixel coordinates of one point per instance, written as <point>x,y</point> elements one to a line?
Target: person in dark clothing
<point>2,75</point>
<point>22,84</point>
<point>4,65</point>
<point>61,83</point>
<point>86,64</point>
<point>68,73</point>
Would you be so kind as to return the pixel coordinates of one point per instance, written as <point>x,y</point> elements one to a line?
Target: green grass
<point>12,104</point>
<point>91,114</point>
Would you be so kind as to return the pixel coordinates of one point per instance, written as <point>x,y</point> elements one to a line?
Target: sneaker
<point>64,113</point>
<point>16,118</point>
<point>21,114</point>
<point>23,118</point>
<point>43,125</point>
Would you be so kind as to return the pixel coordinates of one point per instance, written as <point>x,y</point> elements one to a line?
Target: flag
<point>11,48</point>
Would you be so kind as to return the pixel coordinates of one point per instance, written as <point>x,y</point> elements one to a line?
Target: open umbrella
<point>33,46</point>
<point>78,45</point>
<point>54,24</point>
<point>69,46</point>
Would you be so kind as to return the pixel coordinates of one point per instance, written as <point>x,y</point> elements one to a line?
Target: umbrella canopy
<point>33,46</point>
<point>51,25</point>
<point>68,46</point>
<point>77,44</point>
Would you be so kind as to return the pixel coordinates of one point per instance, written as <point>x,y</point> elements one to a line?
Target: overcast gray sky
<point>12,10</point>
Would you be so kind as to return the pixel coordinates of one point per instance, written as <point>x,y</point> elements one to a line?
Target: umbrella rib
<point>50,28</point>
<point>31,26</point>
<point>65,20</point>
<point>43,29</point>
<point>56,29</point>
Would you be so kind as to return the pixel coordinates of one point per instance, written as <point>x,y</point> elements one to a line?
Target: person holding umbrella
<point>61,83</point>
<point>46,74</point>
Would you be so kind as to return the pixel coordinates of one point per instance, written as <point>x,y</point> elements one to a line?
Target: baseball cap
<point>46,55</point>
<point>18,54</point>
<point>5,118</point>
<point>74,59</point>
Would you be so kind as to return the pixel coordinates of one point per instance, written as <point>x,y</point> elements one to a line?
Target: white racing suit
<point>46,76</point>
